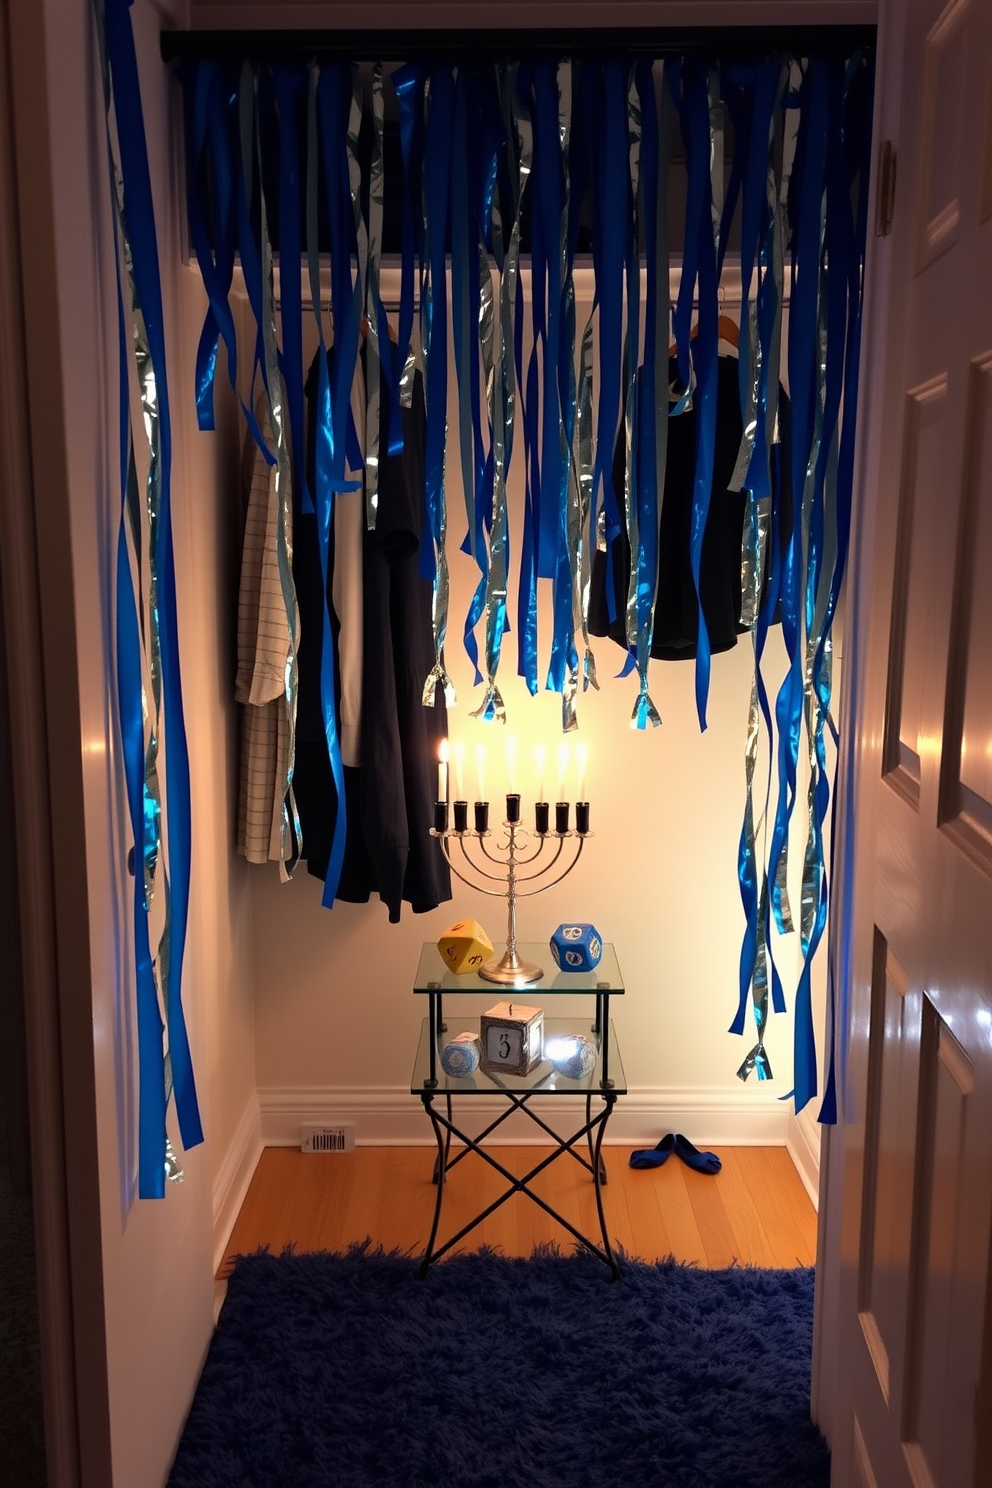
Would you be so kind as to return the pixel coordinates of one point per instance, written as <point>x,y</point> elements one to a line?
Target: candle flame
<point>444,751</point>
<point>564,753</point>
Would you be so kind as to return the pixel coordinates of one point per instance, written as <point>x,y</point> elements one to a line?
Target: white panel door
<point>913,1402</point>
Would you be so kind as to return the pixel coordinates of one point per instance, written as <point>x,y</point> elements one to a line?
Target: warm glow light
<point>480,769</point>
<point>559,1048</point>
<point>511,764</point>
<point>582,754</point>
<point>564,754</point>
<point>540,755</point>
<point>459,770</point>
<point>442,770</point>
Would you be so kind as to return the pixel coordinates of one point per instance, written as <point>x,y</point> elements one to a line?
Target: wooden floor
<point>755,1211</point>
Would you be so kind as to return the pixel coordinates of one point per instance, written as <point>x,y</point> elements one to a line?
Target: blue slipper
<point>701,1162</point>
<point>653,1157</point>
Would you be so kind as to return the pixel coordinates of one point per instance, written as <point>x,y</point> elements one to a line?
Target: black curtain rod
<point>445,45</point>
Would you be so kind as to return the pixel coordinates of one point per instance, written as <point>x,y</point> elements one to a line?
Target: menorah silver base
<point>510,971</point>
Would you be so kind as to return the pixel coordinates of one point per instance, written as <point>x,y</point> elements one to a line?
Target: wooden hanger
<point>727,330</point>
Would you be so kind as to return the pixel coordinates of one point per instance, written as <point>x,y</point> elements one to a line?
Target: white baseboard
<point>804,1149</point>
<point>234,1175</point>
<point>391,1117</point>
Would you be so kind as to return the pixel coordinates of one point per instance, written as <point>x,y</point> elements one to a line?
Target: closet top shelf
<point>441,45</point>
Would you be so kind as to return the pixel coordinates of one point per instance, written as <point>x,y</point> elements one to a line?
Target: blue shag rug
<point>331,1371</point>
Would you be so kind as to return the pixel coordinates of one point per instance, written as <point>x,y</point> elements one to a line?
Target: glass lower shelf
<point>543,1078</point>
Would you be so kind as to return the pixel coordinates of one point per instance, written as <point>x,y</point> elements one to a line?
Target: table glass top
<point>543,1078</point>
<point>434,976</point>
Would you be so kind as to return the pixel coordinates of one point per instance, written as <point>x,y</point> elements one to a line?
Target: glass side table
<point>438,1091</point>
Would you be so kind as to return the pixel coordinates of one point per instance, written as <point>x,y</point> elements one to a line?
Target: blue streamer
<point>287,82</point>
<point>207,136</point>
<point>609,256</point>
<point>437,170</point>
<point>559,380</point>
<point>141,225</point>
<point>408,86</point>
<point>752,112</point>
<point>700,253</point>
<point>471,286</point>
<point>810,164</point>
<point>492,138</point>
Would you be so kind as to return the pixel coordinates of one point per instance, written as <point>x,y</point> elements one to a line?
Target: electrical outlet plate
<point>336,1137</point>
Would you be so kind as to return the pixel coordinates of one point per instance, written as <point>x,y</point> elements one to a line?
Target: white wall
<point>158,1256</point>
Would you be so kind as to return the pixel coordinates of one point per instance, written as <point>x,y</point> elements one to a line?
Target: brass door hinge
<point>885,199</point>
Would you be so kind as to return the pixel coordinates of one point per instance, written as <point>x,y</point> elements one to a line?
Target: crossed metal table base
<point>592,1131</point>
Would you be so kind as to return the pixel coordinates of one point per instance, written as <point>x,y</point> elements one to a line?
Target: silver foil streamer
<point>639,619</point>
<point>372,303</point>
<point>290,835</point>
<point>439,603</point>
<point>815,615</point>
<point>569,494</point>
<point>502,410</point>
<point>582,476</point>
<point>756,542</point>
<point>173,1171</point>
<point>760,362</point>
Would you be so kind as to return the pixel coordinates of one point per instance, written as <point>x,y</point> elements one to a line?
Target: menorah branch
<point>509,969</point>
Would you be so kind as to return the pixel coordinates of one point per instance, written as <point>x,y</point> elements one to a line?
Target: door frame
<point>859,755</point>
<point>40,642</point>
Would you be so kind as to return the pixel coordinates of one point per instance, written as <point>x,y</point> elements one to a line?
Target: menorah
<point>510,969</point>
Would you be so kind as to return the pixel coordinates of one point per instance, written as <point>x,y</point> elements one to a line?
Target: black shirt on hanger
<point>676,626</point>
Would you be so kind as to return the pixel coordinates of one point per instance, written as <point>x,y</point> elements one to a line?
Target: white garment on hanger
<point>265,646</point>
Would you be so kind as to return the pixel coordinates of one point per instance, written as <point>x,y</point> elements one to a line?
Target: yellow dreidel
<point>464,947</point>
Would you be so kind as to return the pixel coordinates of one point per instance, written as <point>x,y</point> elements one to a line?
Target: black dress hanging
<point>389,796</point>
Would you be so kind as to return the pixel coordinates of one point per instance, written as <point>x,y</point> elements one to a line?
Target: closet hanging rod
<point>447,45</point>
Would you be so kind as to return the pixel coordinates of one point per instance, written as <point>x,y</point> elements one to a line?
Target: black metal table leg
<point>522,1184</point>
<point>440,1136</point>
<point>610,1099</point>
<point>594,1162</point>
<point>441,1163</point>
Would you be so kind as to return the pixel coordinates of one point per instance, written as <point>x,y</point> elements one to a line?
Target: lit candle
<point>442,770</point>
<point>539,756</point>
<point>480,769</point>
<point>563,757</point>
<point>459,770</point>
<point>582,754</point>
<point>511,764</point>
